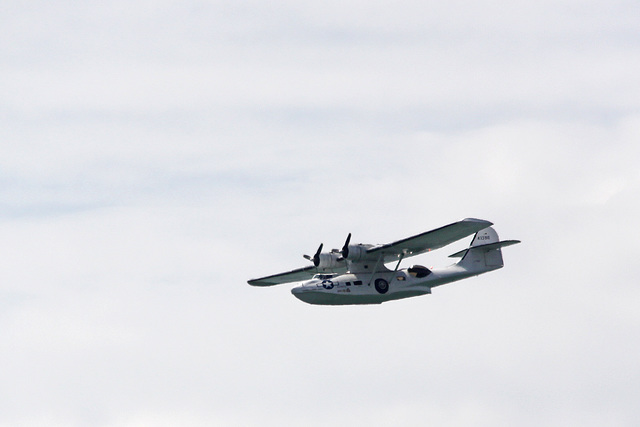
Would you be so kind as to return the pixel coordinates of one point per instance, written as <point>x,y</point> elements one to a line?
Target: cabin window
<point>348,284</point>
<point>358,282</point>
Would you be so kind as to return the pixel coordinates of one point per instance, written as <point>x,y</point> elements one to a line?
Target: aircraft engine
<point>324,260</point>
<point>327,260</point>
<point>354,252</point>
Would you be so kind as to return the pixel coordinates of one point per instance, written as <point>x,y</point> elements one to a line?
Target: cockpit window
<point>323,276</point>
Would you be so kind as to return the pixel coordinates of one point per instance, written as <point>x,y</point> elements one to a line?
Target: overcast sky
<point>154,156</point>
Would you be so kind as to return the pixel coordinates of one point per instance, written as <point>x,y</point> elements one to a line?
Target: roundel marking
<point>327,284</point>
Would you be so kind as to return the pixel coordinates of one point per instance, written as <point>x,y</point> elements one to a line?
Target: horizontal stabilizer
<point>488,246</point>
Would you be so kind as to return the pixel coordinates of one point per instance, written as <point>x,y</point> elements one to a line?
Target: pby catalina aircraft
<point>357,274</point>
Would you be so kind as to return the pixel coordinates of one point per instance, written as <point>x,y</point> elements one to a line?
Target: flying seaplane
<point>357,274</point>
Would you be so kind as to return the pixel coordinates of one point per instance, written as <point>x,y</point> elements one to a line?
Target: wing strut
<point>375,268</point>
<point>400,260</point>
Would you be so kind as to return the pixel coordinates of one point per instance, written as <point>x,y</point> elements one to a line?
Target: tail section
<point>484,254</point>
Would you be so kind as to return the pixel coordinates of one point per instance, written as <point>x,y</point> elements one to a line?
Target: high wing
<point>297,275</point>
<point>399,249</point>
<point>429,240</point>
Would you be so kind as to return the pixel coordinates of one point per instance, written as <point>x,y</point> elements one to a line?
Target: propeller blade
<point>345,248</point>
<point>316,257</point>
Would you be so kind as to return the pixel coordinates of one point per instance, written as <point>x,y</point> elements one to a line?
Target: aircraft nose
<point>303,294</point>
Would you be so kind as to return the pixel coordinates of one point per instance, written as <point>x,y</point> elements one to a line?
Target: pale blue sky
<point>156,155</point>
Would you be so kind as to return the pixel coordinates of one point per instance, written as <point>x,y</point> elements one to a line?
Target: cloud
<point>155,158</point>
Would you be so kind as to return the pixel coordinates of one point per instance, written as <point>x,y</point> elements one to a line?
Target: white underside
<point>401,284</point>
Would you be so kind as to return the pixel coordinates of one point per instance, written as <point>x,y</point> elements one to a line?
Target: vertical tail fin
<point>484,254</point>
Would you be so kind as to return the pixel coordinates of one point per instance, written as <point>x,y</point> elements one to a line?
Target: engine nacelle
<point>355,253</point>
<point>328,261</point>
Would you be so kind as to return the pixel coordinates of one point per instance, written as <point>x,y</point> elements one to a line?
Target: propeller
<point>345,248</point>
<point>316,257</point>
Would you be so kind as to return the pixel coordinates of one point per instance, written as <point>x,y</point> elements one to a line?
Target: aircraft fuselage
<point>367,288</point>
